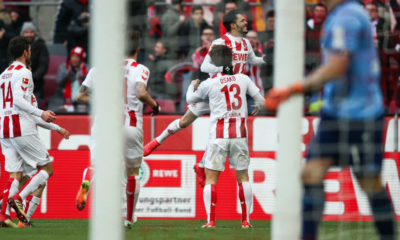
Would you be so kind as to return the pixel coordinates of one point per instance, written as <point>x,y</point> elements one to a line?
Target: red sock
<point>130,197</point>
<point>27,201</point>
<point>242,202</point>
<point>213,202</point>
<point>5,195</point>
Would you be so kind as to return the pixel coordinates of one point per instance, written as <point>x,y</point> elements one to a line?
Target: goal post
<point>107,41</point>
<point>288,67</point>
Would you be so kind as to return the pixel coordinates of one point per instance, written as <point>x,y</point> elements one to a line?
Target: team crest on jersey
<point>146,72</point>
<point>25,80</point>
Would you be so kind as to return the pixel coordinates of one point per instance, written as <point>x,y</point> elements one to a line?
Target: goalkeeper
<point>350,130</point>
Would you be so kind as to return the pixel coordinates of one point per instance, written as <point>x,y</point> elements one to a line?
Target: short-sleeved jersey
<point>241,51</point>
<point>17,102</point>
<point>228,105</point>
<point>89,80</point>
<point>134,73</point>
<point>357,95</point>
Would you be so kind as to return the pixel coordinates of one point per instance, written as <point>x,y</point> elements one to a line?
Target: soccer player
<point>19,137</point>
<point>136,76</point>
<point>226,93</point>
<point>350,130</point>
<point>236,24</point>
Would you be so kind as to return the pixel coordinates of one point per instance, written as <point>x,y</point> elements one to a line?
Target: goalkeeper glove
<point>275,97</point>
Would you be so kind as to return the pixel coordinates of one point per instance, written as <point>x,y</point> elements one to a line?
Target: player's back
<point>228,105</point>
<point>16,83</point>
<point>134,73</point>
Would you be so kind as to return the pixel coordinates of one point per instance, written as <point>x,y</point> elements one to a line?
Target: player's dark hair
<point>206,28</point>
<point>270,13</point>
<point>230,18</point>
<point>221,55</point>
<point>17,46</point>
<point>195,8</point>
<point>320,5</point>
<point>133,42</point>
<point>373,3</point>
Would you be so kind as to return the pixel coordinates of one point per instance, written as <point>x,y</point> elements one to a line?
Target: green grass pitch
<point>62,229</point>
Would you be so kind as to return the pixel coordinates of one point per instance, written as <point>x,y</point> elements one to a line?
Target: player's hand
<point>156,109</point>
<point>48,116</point>
<point>64,132</point>
<point>256,110</point>
<point>195,83</point>
<point>276,96</point>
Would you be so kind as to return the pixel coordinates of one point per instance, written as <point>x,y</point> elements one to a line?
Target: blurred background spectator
<point>69,79</point>
<point>71,12</point>
<point>171,23</point>
<point>39,58</point>
<point>159,64</point>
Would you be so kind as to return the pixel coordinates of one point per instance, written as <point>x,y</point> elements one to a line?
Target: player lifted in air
<point>242,53</point>
<point>226,93</point>
<point>19,138</point>
<point>351,125</point>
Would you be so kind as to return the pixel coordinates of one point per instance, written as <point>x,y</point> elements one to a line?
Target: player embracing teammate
<point>226,93</point>
<point>242,53</point>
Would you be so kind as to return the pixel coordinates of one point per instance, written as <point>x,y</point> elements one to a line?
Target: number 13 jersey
<point>16,102</point>
<point>228,105</point>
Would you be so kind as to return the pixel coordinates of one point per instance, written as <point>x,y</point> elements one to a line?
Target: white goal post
<point>288,67</point>
<point>107,41</point>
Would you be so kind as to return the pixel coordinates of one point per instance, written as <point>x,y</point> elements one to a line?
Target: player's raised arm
<point>196,93</point>
<point>208,66</point>
<point>253,59</point>
<point>83,94</point>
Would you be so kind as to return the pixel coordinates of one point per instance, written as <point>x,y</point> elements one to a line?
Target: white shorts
<point>25,151</point>
<point>133,147</point>
<point>200,108</point>
<point>237,150</point>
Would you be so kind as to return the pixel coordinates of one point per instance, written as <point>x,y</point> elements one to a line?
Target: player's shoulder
<point>20,70</point>
<point>218,41</point>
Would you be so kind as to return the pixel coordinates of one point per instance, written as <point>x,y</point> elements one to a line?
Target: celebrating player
<point>226,93</point>
<point>136,76</point>
<point>350,130</point>
<point>19,137</point>
<point>236,24</point>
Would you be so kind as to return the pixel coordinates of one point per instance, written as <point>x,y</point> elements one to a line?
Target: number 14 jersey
<point>228,104</point>
<point>16,102</point>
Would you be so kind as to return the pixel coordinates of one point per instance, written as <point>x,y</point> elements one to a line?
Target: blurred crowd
<point>176,36</point>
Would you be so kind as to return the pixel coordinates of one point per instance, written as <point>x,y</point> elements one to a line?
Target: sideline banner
<point>169,188</point>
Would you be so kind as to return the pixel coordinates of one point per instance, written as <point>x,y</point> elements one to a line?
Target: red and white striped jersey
<point>228,105</point>
<point>16,102</point>
<point>134,73</point>
<point>242,52</point>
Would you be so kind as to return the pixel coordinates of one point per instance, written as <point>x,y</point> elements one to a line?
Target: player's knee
<point>310,175</point>
<point>370,185</point>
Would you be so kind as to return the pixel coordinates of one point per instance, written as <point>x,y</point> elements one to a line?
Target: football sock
<point>130,195</point>
<point>28,200</point>
<point>39,179</point>
<point>136,197</point>
<point>172,128</point>
<point>13,190</point>
<point>87,174</point>
<point>313,205</point>
<point>33,204</point>
<point>382,211</point>
<point>6,194</point>
<point>210,200</point>
<point>246,199</point>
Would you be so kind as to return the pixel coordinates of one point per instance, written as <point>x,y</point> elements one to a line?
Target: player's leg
<point>245,196</point>
<point>34,154</point>
<point>87,176</point>
<point>81,196</point>
<point>214,164</point>
<point>239,160</point>
<point>312,177</point>
<point>382,209</point>
<point>133,160</point>
<point>210,196</point>
<point>367,165</point>
<point>13,165</point>
<point>175,126</point>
